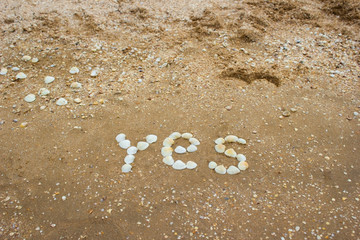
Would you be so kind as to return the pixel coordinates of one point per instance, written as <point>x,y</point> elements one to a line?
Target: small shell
<point>30,98</point>
<point>191,148</point>
<point>74,70</point>
<point>43,92</point>
<point>3,71</point>
<point>220,141</point>
<point>151,138</point>
<point>21,75</point>
<point>241,141</point>
<point>180,150</point>
<point>243,165</point>
<point>230,153</point>
<point>168,142</point>
<point>212,165</point>
<point>76,85</point>
<point>61,102</point>
<point>166,151</point>
<point>175,135</point>
<point>168,160</point>
<point>129,159</point>
<point>94,73</point>
<point>120,137</point>
<point>179,165</point>
<point>220,169</point>
<point>142,146</point>
<point>126,168</point>
<point>191,165</point>
<point>232,170</point>
<point>220,148</point>
<point>49,79</point>
<point>187,135</point>
<point>194,141</point>
<point>132,150</point>
<point>241,157</point>
<point>124,144</point>
<point>231,138</point>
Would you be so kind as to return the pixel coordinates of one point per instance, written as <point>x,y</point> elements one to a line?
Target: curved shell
<point>179,165</point>
<point>230,153</point>
<point>168,160</point>
<point>231,138</point>
<point>187,135</point>
<point>132,150</point>
<point>220,148</point>
<point>168,142</point>
<point>180,150</point>
<point>120,137</point>
<point>166,151</point>
<point>175,135</point>
<point>129,159</point>
<point>191,165</point>
<point>220,169</point>
<point>142,146</point>
<point>126,168</point>
<point>212,165</point>
<point>220,141</point>
<point>241,141</point>
<point>191,148</point>
<point>243,166</point>
<point>232,170</point>
<point>124,144</point>
<point>151,138</point>
<point>194,141</point>
<point>241,157</point>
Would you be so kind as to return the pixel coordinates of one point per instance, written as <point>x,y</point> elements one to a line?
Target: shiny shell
<point>220,148</point>
<point>132,150</point>
<point>232,170</point>
<point>120,137</point>
<point>220,169</point>
<point>129,159</point>
<point>20,75</point>
<point>166,151</point>
<point>168,160</point>
<point>191,165</point>
<point>212,165</point>
<point>49,79</point>
<point>241,141</point>
<point>30,98</point>
<point>168,142</point>
<point>194,141</point>
<point>220,141</point>
<point>180,150</point>
<point>179,165</point>
<point>187,135</point>
<point>243,165</point>
<point>191,148</point>
<point>61,102</point>
<point>230,153</point>
<point>231,139</point>
<point>124,144</point>
<point>241,157</point>
<point>175,135</point>
<point>126,168</point>
<point>151,138</point>
<point>142,146</point>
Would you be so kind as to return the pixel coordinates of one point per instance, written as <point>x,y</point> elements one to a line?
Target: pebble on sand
<point>43,92</point>
<point>126,168</point>
<point>124,144</point>
<point>168,160</point>
<point>220,169</point>
<point>151,138</point>
<point>76,85</point>
<point>232,170</point>
<point>61,102</point>
<point>49,79</point>
<point>3,71</point>
<point>21,75</point>
<point>74,70</point>
<point>30,98</point>
<point>120,137</point>
<point>243,165</point>
<point>212,165</point>
<point>180,150</point>
<point>179,165</point>
<point>142,146</point>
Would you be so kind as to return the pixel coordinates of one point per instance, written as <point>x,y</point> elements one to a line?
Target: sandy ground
<point>211,68</point>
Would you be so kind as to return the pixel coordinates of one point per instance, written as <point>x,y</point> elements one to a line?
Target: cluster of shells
<point>132,150</point>
<point>220,148</point>
<point>167,150</point>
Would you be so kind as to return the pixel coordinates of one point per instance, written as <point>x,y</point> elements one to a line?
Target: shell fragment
<point>187,135</point>
<point>241,157</point>
<point>220,141</point>
<point>168,142</point>
<point>194,141</point>
<point>175,135</point>
<point>231,139</point>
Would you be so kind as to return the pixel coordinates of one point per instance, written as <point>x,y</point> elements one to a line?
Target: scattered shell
<point>231,138</point>
<point>191,165</point>
<point>15,69</point>
<point>241,157</point>
<point>212,165</point>
<point>220,141</point>
<point>77,100</point>
<point>120,137</point>
<point>179,165</point>
<point>151,138</point>
<point>61,102</point>
<point>126,168</point>
<point>24,125</point>
<point>232,170</point>
<point>49,79</point>
<point>286,113</point>
<point>243,165</point>
<point>3,71</point>
<point>175,135</point>
<point>125,144</point>
<point>21,75</point>
<point>34,60</point>
<point>220,169</point>
<point>26,58</point>
<point>168,142</point>
<point>30,98</point>
<point>76,85</point>
<point>74,70</point>
<point>132,150</point>
<point>187,135</point>
<point>194,141</point>
<point>142,145</point>
<point>129,159</point>
<point>241,141</point>
<point>43,92</point>
<point>220,148</point>
<point>230,153</point>
<point>166,151</point>
<point>180,150</point>
<point>168,160</point>
<point>94,73</point>
<point>191,148</point>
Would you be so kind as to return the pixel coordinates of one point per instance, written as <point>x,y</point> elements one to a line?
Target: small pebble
<point>126,168</point>
<point>43,92</point>
<point>30,98</point>
<point>49,79</point>
<point>179,165</point>
<point>77,100</point>
<point>129,159</point>
<point>61,102</point>
<point>24,125</point>
<point>191,165</point>
<point>212,165</point>
<point>168,160</point>
<point>3,71</point>
<point>74,70</point>
<point>76,85</point>
<point>142,146</point>
<point>94,73</point>
<point>180,150</point>
<point>175,135</point>
<point>220,169</point>
<point>63,198</point>
<point>15,69</point>
<point>120,137</point>
<point>293,110</point>
<point>26,58</point>
<point>187,135</point>
<point>34,60</point>
<point>191,148</point>
<point>286,113</point>
<point>21,75</point>
<point>124,144</point>
<point>151,138</point>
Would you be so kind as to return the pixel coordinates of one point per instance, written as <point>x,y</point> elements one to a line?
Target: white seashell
<point>166,151</point>
<point>124,144</point>
<point>220,141</point>
<point>191,148</point>
<point>212,165</point>
<point>132,150</point>
<point>94,73</point>
<point>230,153</point>
<point>220,169</point>
<point>49,79</point>
<point>243,165</point>
<point>126,168</point>
<point>129,159</point>
<point>179,165</point>
<point>26,58</point>
<point>120,137</point>
<point>194,141</point>
<point>175,135</point>
<point>61,102</point>
<point>241,157</point>
<point>168,142</point>
<point>76,85</point>
<point>232,170</point>
<point>241,141</point>
<point>231,138</point>
<point>220,148</point>
<point>30,98</point>
<point>142,146</point>
<point>74,70</point>
<point>3,71</point>
<point>34,60</point>
<point>187,135</point>
<point>180,150</point>
<point>15,69</point>
<point>21,75</point>
<point>191,165</point>
<point>168,160</point>
<point>43,92</point>
<point>151,138</point>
